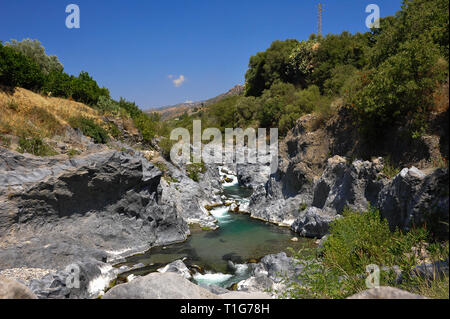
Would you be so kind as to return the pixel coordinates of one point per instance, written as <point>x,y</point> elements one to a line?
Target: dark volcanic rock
<point>313,223</point>
<point>97,207</point>
<point>414,198</point>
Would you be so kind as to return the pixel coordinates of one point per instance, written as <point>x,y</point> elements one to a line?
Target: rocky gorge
<point>88,213</point>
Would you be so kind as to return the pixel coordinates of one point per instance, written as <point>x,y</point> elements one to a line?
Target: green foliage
<point>35,51</point>
<point>5,141</point>
<point>166,145</point>
<point>73,152</point>
<point>400,89</point>
<point>302,62</point>
<point>106,104</point>
<point>341,78</point>
<point>194,170</point>
<point>114,131</point>
<point>407,60</point>
<point>336,50</point>
<point>59,84</point>
<point>25,64</point>
<point>35,146</point>
<point>146,124</point>
<point>356,241</point>
<point>90,128</point>
<point>389,169</point>
<point>86,90</point>
<point>303,207</point>
<point>17,69</point>
<point>163,167</point>
<point>268,67</point>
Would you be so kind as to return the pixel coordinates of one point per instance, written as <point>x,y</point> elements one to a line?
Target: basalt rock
<point>96,208</point>
<point>415,198</point>
<point>313,223</point>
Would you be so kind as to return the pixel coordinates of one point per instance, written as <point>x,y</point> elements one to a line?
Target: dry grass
<point>441,98</point>
<point>24,113</point>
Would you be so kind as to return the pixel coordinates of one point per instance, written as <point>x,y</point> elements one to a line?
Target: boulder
<point>414,198</point>
<point>159,286</point>
<point>177,267</point>
<point>313,223</point>
<point>11,289</point>
<point>342,185</point>
<point>96,207</point>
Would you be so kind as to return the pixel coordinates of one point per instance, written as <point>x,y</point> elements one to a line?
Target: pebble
<point>25,274</point>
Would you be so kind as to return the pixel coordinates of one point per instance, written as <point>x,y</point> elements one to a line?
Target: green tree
<point>35,51</point>
<point>400,88</point>
<point>17,70</point>
<point>302,62</point>
<point>335,50</point>
<point>86,90</point>
<point>268,67</point>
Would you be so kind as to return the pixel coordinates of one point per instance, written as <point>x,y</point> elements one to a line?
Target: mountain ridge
<point>173,111</point>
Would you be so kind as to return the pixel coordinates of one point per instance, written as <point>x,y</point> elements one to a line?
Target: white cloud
<point>179,81</point>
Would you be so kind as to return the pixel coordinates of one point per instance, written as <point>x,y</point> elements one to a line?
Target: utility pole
<point>319,18</point>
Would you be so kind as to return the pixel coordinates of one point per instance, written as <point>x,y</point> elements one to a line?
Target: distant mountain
<point>174,111</point>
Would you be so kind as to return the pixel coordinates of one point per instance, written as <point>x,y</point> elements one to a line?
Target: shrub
<point>34,50</point>
<point>59,84</point>
<point>106,104</point>
<point>114,131</point>
<point>356,241</point>
<point>73,152</point>
<point>17,70</point>
<point>35,146</point>
<point>194,170</point>
<point>5,141</point>
<point>399,90</point>
<point>90,128</point>
<point>86,90</point>
<point>389,169</point>
<point>166,145</point>
<point>268,67</point>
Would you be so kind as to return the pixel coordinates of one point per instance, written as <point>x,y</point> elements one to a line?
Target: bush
<point>90,128</point>
<point>106,104</point>
<point>35,146</point>
<point>5,141</point>
<point>194,170</point>
<point>400,89</point>
<point>34,50</point>
<point>86,90</point>
<point>17,70</point>
<point>356,241</point>
<point>59,84</point>
<point>269,67</point>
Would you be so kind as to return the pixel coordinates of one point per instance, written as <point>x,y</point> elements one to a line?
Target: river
<point>239,238</point>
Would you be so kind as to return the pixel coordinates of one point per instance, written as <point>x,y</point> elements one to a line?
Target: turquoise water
<point>239,239</point>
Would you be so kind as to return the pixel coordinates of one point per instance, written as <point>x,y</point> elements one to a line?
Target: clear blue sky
<point>132,47</point>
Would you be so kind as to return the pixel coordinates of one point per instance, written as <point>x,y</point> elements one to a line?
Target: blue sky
<point>137,48</point>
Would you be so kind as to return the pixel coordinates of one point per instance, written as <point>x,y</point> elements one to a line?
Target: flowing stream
<point>239,238</point>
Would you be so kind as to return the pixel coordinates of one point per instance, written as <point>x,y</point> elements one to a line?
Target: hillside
<point>174,111</point>
<point>44,125</point>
